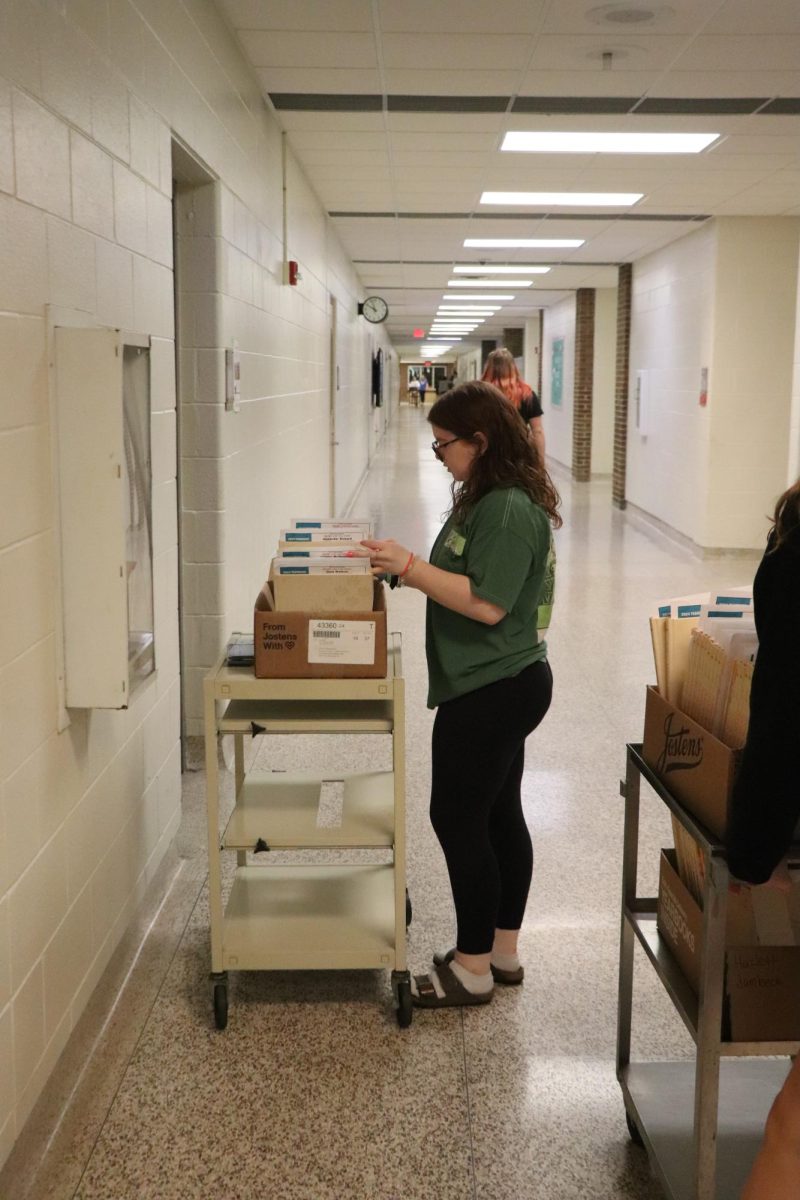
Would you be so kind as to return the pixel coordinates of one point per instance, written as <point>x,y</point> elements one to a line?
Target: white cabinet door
<point>88,371</point>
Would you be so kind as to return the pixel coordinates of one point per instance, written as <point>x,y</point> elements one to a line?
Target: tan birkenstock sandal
<point>509,978</point>
<point>455,994</point>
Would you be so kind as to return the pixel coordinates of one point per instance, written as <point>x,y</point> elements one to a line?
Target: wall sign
<point>703,386</point>
<point>557,373</point>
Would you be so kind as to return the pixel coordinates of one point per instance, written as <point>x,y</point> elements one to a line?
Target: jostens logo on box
<point>681,751</point>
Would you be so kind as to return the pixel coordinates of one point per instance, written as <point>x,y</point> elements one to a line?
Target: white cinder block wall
<point>722,298</point>
<point>751,382</point>
<point>559,322</point>
<point>672,315</point>
<point>90,97</point>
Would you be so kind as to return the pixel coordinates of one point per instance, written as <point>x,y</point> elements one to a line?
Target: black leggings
<point>478,756</point>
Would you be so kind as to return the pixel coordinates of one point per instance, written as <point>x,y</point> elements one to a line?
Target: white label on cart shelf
<point>341,641</point>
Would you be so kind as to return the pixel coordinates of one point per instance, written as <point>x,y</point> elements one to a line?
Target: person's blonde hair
<point>501,370</point>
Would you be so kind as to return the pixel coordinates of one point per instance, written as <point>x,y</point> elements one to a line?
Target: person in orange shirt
<point>501,370</point>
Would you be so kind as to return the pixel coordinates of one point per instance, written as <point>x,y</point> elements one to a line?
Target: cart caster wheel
<point>633,1130</point>
<point>405,1009</point>
<point>401,990</point>
<point>220,1005</point>
<point>409,910</point>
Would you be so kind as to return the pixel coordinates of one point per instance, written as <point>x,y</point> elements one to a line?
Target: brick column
<point>584,379</point>
<point>624,290</point>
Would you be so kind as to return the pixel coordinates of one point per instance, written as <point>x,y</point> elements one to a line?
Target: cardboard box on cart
<point>762,978</point>
<point>697,768</point>
<point>320,627</point>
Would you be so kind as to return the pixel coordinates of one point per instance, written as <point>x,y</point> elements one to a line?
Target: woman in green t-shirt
<point>489,582</point>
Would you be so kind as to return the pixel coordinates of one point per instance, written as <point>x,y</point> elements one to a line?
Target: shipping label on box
<point>350,643</point>
<point>341,642</point>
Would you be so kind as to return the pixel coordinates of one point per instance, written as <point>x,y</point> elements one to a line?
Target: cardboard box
<point>351,592</point>
<point>343,644</point>
<point>696,767</point>
<point>762,981</point>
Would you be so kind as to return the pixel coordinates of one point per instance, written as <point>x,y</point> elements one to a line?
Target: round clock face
<point>375,309</point>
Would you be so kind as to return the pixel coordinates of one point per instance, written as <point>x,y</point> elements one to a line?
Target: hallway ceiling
<point>396,111</point>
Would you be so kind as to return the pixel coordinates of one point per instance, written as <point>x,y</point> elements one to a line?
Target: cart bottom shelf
<point>311,918</point>
<point>662,1094</point>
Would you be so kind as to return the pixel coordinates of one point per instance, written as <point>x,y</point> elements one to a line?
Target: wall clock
<point>374,309</point>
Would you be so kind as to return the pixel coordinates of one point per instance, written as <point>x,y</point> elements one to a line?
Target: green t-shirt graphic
<point>505,547</point>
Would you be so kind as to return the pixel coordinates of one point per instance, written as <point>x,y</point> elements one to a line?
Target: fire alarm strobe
<point>374,309</point>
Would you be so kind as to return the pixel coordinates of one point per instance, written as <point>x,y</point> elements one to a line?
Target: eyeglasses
<point>437,447</point>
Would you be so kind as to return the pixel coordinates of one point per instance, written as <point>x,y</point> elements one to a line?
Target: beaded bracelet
<point>408,566</point>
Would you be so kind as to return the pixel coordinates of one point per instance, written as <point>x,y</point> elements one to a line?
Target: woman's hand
<point>387,557</point>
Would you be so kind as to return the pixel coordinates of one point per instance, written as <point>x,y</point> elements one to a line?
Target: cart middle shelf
<point>307,810</point>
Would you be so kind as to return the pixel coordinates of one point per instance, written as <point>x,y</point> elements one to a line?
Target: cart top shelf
<point>240,684</point>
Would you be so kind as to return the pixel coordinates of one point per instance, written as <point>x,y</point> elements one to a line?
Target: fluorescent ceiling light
<point>481,270</point>
<point>564,199</point>
<point>463,306</point>
<point>608,143</point>
<point>518,283</point>
<point>495,296</point>
<point>522,243</point>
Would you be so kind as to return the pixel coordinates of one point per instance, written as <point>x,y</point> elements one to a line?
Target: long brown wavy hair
<point>787,515</point>
<point>501,370</point>
<point>509,460</point>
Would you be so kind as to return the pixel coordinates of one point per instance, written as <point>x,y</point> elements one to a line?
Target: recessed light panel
<point>502,270</point>
<point>473,283</point>
<point>522,243</point>
<point>607,143</point>
<point>495,296</point>
<point>564,199</point>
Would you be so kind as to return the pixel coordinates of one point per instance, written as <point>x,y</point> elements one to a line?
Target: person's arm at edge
<point>765,803</point>
<point>537,436</point>
<point>444,587</point>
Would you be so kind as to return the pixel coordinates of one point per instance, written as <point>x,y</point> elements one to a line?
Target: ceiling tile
<point>368,122</point>
<point>585,52</point>
<point>468,142</point>
<point>420,18</point>
<point>455,51</point>
<point>450,82</point>
<point>343,141</point>
<point>278,48</point>
<point>293,79</point>
<point>340,15</point>
<point>588,80</point>
<point>378,158</point>
<point>768,16</point>
<point>677,17</point>
<point>695,83</point>
<point>464,123</point>
<point>707,53</point>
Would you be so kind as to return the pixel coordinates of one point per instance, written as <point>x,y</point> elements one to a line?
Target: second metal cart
<point>319,916</point>
<point>701,1121</point>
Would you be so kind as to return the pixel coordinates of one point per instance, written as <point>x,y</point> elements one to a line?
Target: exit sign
<point>419,333</point>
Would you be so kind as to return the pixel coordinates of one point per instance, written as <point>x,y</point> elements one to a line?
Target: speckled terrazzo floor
<point>312,1092</point>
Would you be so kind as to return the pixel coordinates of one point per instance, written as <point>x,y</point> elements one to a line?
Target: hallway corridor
<point>312,1092</point>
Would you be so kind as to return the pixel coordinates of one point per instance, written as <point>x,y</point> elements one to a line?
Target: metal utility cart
<point>331,916</point>
<point>702,1121</point>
